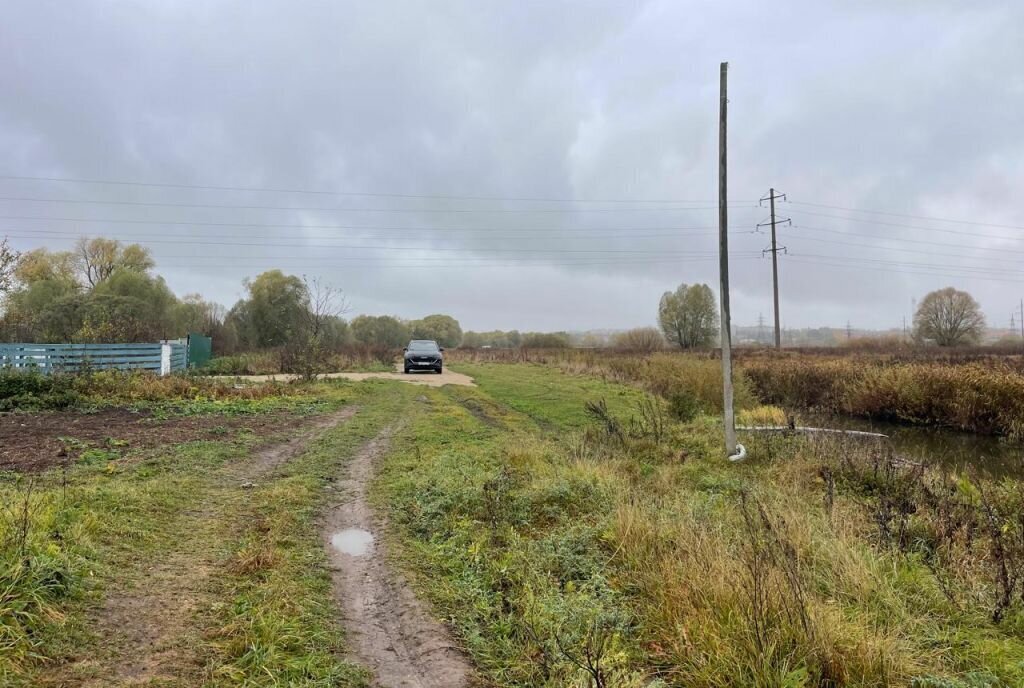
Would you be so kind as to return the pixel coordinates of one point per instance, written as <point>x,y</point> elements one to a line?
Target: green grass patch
<point>553,399</point>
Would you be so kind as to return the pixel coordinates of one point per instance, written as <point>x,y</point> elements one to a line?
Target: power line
<point>321,209</point>
<point>858,220</point>
<point>915,217</point>
<point>274,225</point>
<point>407,247</point>
<point>906,250</point>
<point>229,240</point>
<point>821,263</point>
<point>320,192</point>
<point>910,241</point>
<point>377,265</point>
<point>190,261</point>
<point>935,269</point>
<point>639,258</point>
<point>959,268</point>
<point>359,231</point>
<point>252,225</point>
<point>425,235</point>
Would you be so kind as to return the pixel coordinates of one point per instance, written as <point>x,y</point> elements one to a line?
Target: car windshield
<point>422,346</point>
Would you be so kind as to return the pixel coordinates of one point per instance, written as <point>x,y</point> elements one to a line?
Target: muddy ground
<point>32,442</point>
<point>429,379</point>
<point>390,631</point>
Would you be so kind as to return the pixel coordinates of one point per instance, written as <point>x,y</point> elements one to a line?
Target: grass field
<point>972,390</point>
<point>571,527</point>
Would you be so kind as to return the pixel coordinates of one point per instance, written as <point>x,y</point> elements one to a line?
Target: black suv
<point>423,354</point>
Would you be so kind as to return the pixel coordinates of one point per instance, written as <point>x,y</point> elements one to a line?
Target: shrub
<point>641,339</point>
<point>683,406</point>
<point>34,391</point>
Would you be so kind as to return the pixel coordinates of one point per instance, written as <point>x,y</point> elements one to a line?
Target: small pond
<point>993,456</point>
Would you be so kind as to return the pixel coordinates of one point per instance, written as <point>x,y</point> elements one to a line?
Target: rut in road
<point>389,630</point>
<point>149,628</point>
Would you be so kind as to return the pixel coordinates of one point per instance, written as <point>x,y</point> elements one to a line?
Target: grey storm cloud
<point>909,108</point>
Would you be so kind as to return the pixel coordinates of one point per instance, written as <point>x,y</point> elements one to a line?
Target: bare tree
<point>8,260</point>
<point>324,308</point>
<point>325,303</point>
<point>949,317</point>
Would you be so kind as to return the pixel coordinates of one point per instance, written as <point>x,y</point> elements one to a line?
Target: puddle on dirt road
<point>354,542</point>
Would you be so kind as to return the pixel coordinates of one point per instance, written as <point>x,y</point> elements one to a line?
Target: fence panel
<point>179,356</point>
<point>48,358</point>
<point>200,350</point>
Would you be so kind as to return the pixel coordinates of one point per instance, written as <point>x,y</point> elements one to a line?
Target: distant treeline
<point>106,291</point>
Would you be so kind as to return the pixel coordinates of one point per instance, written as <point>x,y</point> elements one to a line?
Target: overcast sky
<point>447,115</point>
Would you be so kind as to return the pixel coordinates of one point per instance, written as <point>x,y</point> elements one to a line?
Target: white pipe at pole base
<point>741,453</point>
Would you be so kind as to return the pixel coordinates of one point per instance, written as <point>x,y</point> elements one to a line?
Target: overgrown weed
<point>976,397</point>
<point>772,573</point>
<point>35,391</point>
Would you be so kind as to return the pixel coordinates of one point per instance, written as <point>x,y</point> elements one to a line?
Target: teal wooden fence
<point>162,357</point>
<point>178,357</point>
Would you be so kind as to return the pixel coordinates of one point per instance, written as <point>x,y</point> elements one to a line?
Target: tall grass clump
<point>830,565</point>
<point>43,560</point>
<point>976,397</point>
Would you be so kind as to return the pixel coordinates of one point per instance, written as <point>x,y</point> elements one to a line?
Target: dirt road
<point>389,630</point>
<point>431,379</point>
<point>149,624</point>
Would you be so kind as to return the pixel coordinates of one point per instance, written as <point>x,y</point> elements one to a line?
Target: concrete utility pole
<point>723,265</point>
<point>774,250</point>
<point>1022,320</point>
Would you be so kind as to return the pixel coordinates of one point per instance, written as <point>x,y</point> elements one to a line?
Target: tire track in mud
<point>269,458</point>
<point>389,630</point>
<point>149,629</point>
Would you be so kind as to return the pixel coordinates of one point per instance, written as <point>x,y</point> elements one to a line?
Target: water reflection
<point>993,456</point>
<point>354,542</point>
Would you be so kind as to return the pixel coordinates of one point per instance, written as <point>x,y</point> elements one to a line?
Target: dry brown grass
<point>976,397</point>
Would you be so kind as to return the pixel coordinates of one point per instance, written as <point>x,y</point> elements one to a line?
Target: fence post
<point>165,358</point>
